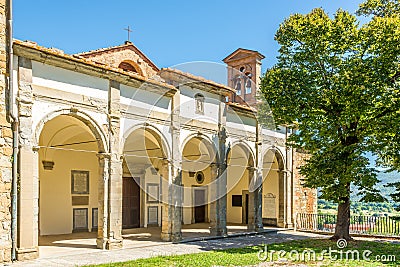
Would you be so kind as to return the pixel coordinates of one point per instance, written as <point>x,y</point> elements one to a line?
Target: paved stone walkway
<point>164,249</point>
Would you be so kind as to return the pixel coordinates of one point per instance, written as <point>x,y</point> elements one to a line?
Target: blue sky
<point>168,32</point>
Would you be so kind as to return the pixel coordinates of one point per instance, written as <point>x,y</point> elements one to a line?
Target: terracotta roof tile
<point>80,59</point>
<point>199,78</point>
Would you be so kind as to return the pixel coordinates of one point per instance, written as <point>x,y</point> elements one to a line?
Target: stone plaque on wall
<point>79,182</point>
<point>80,200</point>
<point>269,206</point>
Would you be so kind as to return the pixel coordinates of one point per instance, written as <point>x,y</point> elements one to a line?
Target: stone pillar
<point>102,230</point>
<point>28,168</point>
<point>214,229</point>
<point>219,178</point>
<point>282,199</point>
<point>289,183</point>
<point>115,169</point>
<point>289,195</point>
<point>172,213</point>
<point>255,200</point>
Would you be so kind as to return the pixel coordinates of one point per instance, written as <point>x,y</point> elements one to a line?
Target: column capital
<point>103,155</point>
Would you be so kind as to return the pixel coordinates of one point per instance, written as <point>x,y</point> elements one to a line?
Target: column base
<point>168,237</point>
<point>220,231</point>
<point>255,228</point>
<point>25,254</point>
<point>289,225</point>
<point>109,244</point>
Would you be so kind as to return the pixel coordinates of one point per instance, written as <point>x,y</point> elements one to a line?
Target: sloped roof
<point>242,53</point>
<point>127,45</point>
<point>188,77</point>
<point>60,59</point>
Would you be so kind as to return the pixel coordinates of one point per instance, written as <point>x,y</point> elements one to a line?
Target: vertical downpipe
<point>14,120</point>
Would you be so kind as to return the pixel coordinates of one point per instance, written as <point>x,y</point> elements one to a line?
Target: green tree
<point>336,80</point>
<point>388,146</point>
<point>379,8</point>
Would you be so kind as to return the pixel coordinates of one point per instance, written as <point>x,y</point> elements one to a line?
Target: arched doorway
<point>274,195</point>
<point>145,178</point>
<point>240,172</point>
<point>69,176</point>
<point>198,172</point>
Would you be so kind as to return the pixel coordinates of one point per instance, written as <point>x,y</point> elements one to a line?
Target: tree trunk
<point>342,229</point>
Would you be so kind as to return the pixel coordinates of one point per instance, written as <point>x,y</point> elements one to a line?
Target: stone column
<point>255,200</point>
<point>172,213</point>
<point>102,231</point>
<point>28,168</point>
<point>255,187</point>
<point>289,183</point>
<point>213,196</point>
<point>115,168</point>
<point>289,194</point>
<point>282,199</point>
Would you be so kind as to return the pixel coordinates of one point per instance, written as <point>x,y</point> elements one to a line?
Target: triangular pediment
<point>127,52</point>
<point>241,53</point>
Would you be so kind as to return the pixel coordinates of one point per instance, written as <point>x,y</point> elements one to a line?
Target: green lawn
<point>248,256</point>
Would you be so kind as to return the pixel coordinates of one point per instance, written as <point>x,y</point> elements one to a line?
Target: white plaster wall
<point>239,122</point>
<point>142,101</point>
<point>69,81</point>
<point>188,106</point>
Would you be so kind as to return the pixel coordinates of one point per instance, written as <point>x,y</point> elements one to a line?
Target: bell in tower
<point>244,72</point>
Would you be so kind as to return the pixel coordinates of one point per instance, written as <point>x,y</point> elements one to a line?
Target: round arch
<point>245,147</point>
<point>129,65</point>
<point>279,156</point>
<point>161,138</point>
<point>83,117</point>
<point>209,143</point>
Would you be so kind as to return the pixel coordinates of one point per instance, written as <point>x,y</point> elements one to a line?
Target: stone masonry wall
<point>305,199</point>
<point>5,147</point>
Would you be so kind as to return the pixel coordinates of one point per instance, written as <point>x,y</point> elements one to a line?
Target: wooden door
<point>130,203</point>
<point>199,210</point>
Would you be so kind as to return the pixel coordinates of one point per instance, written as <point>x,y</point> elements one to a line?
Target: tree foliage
<point>379,8</point>
<point>337,80</point>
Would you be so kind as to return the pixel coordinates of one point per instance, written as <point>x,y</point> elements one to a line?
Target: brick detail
<point>305,199</point>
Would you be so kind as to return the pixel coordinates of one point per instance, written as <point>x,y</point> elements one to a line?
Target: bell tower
<point>244,75</point>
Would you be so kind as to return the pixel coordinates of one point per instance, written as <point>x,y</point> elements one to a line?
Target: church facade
<point>109,141</point>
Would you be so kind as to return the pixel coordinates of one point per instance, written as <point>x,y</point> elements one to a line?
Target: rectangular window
<point>248,90</point>
<point>236,200</point>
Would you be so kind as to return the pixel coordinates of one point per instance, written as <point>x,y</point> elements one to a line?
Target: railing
<point>359,224</point>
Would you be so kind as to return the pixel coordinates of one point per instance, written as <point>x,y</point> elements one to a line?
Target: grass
<point>248,256</point>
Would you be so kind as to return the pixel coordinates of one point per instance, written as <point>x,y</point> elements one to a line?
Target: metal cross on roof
<point>129,32</point>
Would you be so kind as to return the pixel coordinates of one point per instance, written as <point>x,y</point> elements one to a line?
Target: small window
<point>199,102</point>
<point>238,87</point>
<point>237,201</point>
<point>126,66</point>
<point>200,177</point>
<point>248,86</point>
